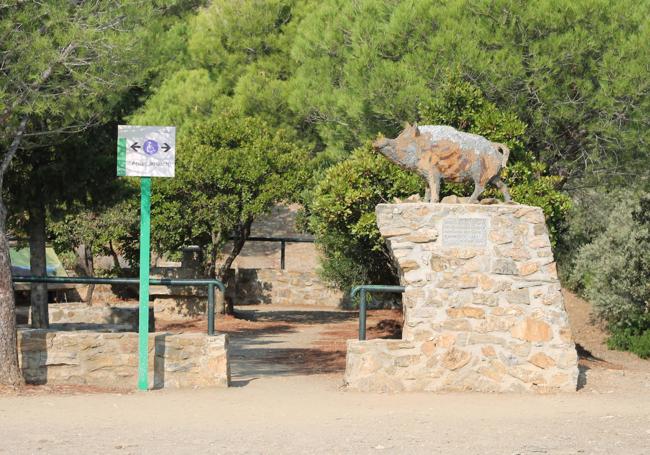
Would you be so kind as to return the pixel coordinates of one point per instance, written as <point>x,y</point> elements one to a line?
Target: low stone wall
<point>482,307</point>
<point>119,317</point>
<point>80,316</point>
<point>180,308</point>
<point>111,359</point>
<point>248,287</point>
<point>281,287</point>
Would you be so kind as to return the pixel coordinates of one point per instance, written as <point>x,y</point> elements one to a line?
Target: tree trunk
<point>38,266</point>
<point>89,269</point>
<point>242,234</point>
<point>116,259</point>
<point>9,372</point>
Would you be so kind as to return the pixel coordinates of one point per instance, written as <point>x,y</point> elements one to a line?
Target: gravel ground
<point>309,414</point>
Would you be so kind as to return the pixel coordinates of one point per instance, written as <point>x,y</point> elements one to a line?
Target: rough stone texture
<point>248,287</point>
<point>483,309</point>
<point>122,317</point>
<point>281,287</point>
<point>180,308</point>
<point>111,359</point>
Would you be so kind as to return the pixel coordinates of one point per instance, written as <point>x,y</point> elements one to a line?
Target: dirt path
<point>309,414</point>
<point>290,351</point>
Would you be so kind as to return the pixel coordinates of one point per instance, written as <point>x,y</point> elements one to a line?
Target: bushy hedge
<point>611,265</point>
<point>343,217</point>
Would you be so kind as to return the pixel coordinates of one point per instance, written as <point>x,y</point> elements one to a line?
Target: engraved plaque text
<point>464,232</point>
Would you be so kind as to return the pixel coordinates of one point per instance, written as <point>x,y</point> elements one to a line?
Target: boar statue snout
<point>380,143</point>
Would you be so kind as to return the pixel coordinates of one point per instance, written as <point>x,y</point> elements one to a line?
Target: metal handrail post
<point>362,314</point>
<point>362,290</point>
<point>283,254</point>
<point>211,309</point>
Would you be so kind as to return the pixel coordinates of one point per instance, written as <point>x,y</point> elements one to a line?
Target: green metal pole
<point>211,309</point>
<point>362,314</point>
<point>143,325</point>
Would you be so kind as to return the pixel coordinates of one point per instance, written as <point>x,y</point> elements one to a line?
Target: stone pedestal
<point>482,307</point>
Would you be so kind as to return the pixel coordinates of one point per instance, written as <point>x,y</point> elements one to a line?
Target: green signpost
<point>145,151</point>
<point>143,320</point>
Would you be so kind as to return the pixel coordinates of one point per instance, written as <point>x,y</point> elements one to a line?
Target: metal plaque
<point>464,232</point>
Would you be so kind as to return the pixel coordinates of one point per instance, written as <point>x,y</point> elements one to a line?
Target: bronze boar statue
<point>442,152</point>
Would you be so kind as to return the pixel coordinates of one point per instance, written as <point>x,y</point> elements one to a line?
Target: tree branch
<point>6,160</point>
<point>45,75</point>
<point>243,232</point>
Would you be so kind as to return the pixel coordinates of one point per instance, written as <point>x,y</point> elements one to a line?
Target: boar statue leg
<point>433,183</point>
<point>478,189</point>
<point>427,194</point>
<point>502,187</point>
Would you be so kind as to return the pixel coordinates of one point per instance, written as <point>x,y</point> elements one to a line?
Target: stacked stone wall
<point>111,359</point>
<point>483,309</point>
<point>248,287</point>
<point>281,287</point>
<point>120,317</point>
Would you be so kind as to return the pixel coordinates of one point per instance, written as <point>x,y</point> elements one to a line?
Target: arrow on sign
<point>135,146</point>
<point>165,147</point>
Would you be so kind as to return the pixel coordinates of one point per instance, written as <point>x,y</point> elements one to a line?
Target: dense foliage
<point>108,230</point>
<point>343,217</point>
<point>611,265</point>
<point>339,72</point>
<point>573,72</point>
<point>73,71</point>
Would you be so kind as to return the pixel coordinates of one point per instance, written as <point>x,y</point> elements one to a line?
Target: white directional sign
<point>146,151</point>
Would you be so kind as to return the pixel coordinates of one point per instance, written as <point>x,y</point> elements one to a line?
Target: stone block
<point>528,268</point>
<point>504,267</point>
<point>518,297</point>
<point>422,236</point>
<point>455,359</point>
<point>532,330</point>
<point>541,360</point>
<point>466,312</point>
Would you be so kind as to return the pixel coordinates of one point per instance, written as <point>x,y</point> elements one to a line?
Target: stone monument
<point>482,307</point>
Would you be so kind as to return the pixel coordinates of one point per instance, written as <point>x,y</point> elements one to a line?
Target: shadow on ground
<point>297,316</point>
<point>587,361</point>
<point>262,361</point>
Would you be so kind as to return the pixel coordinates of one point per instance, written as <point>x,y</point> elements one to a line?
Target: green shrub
<point>627,340</point>
<point>587,218</point>
<point>342,217</point>
<point>613,271</point>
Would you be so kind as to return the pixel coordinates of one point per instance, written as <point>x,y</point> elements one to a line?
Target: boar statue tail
<point>504,150</point>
